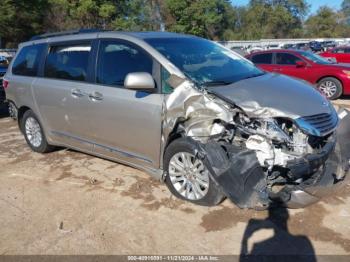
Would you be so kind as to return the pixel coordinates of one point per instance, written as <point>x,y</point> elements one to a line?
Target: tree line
<point>213,19</point>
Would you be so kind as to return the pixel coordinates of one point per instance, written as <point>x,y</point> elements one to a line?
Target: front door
<point>125,124</point>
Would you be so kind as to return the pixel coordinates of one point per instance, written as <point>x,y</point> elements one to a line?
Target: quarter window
<point>117,59</point>
<point>166,87</point>
<point>27,61</point>
<point>68,62</point>
<point>286,59</point>
<point>262,59</point>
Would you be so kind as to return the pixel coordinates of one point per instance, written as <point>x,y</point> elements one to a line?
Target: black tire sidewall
<point>339,85</point>
<point>44,146</point>
<point>214,195</point>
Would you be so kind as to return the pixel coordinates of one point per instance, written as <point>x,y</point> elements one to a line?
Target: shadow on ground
<point>345,97</point>
<point>282,242</point>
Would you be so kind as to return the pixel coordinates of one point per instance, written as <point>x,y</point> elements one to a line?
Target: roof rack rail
<point>69,32</point>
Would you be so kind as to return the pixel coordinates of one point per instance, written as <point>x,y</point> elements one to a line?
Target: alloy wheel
<point>33,132</point>
<point>329,88</point>
<point>189,176</point>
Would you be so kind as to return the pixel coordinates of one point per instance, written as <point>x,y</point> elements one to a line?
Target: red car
<point>341,54</point>
<point>331,79</point>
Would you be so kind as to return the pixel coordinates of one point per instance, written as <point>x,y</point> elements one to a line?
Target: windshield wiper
<point>216,83</point>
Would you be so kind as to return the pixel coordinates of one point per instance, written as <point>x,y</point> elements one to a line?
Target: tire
<point>13,112</point>
<point>34,134</point>
<point>331,87</point>
<point>185,148</point>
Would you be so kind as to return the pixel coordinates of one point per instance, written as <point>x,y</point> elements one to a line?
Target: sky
<point>315,4</point>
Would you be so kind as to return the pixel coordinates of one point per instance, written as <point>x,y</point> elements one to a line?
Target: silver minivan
<point>187,110</point>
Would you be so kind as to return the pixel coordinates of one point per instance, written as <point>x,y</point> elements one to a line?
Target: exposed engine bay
<point>257,160</point>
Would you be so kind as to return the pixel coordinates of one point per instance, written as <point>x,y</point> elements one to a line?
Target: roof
<point>141,35</point>
<point>93,34</point>
<point>156,34</point>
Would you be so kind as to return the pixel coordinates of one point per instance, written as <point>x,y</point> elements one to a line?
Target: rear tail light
<point>5,83</point>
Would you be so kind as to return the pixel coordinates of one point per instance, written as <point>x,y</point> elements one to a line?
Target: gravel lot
<point>67,202</point>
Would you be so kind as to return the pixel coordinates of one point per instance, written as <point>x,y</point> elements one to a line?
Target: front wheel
<point>187,176</point>
<point>331,87</point>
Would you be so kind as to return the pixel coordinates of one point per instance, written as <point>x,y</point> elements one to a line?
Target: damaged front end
<point>264,156</point>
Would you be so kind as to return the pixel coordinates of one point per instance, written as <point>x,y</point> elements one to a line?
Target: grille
<point>318,125</point>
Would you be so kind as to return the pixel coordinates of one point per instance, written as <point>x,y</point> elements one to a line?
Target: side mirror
<point>139,81</point>
<point>300,64</point>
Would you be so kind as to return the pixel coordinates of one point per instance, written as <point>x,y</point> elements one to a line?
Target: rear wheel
<point>331,87</point>
<point>34,134</point>
<point>188,178</point>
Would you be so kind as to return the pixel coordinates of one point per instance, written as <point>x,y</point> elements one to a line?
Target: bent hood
<point>272,95</point>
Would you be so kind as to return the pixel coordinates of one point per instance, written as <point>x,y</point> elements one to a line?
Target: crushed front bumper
<point>333,175</point>
<point>238,172</point>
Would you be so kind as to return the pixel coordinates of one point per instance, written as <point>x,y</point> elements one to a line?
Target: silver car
<point>187,110</point>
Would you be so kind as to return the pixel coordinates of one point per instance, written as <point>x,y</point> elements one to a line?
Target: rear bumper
<point>2,92</point>
<point>2,96</point>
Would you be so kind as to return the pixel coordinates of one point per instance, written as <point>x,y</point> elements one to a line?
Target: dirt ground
<point>67,202</point>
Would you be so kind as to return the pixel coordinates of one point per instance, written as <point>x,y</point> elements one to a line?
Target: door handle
<point>96,96</point>
<point>77,92</point>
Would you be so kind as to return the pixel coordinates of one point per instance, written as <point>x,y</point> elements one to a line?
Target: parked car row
<point>340,54</point>
<point>333,80</point>
<point>314,46</point>
<point>188,111</point>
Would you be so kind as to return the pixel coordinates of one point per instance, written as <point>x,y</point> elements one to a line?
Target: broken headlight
<point>270,128</point>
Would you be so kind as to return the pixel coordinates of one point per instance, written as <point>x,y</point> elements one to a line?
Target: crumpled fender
<point>196,110</point>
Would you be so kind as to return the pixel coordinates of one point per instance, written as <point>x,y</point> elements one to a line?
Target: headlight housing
<point>269,128</point>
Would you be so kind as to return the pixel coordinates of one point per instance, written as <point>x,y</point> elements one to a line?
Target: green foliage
<point>273,19</point>
<point>206,18</point>
<point>19,20</point>
<point>214,19</point>
<point>326,23</point>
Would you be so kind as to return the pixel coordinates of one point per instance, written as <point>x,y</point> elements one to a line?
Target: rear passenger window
<point>27,61</point>
<point>286,59</point>
<point>117,59</point>
<point>262,59</point>
<point>68,62</point>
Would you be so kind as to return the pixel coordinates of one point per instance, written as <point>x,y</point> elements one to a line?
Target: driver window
<point>116,59</point>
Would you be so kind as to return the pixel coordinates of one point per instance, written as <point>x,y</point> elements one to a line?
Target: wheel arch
<point>332,76</point>
<point>20,113</point>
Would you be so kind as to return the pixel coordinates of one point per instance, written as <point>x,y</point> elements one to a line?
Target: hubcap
<point>329,88</point>
<point>33,132</point>
<point>189,176</point>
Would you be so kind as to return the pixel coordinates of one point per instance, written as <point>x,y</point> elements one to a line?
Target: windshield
<point>203,61</point>
<point>315,58</point>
